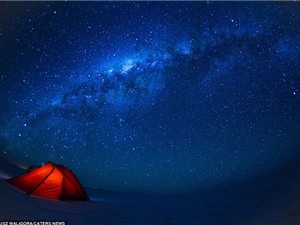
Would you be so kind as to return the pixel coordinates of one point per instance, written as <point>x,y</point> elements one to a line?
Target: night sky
<point>151,96</point>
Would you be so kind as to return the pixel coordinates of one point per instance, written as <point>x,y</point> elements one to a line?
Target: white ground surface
<point>274,200</point>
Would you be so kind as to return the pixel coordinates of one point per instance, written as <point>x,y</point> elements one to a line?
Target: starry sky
<point>151,96</point>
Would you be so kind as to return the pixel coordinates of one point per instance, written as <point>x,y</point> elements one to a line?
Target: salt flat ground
<point>273,199</point>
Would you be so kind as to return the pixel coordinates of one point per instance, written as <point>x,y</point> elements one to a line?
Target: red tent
<point>51,181</point>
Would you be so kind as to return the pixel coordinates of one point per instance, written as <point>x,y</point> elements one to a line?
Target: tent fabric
<point>71,183</point>
<point>51,181</point>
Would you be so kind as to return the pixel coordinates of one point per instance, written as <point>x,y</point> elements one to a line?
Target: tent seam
<point>30,192</point>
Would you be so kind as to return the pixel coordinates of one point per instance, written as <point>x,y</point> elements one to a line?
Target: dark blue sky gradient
<point>151,96</point>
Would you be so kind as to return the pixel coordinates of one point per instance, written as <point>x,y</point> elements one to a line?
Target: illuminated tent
<point>51,181</point>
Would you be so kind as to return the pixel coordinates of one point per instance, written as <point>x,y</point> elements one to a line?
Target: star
<point>188,95</point>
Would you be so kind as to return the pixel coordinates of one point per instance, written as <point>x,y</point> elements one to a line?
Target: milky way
<point>155,97</point>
